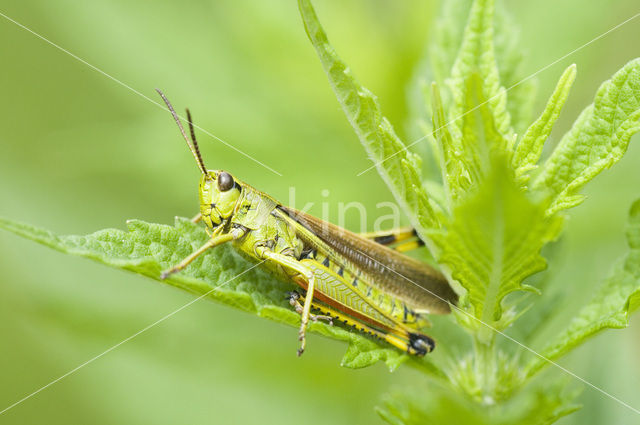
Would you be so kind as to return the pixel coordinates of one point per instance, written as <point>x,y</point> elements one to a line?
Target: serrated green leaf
<point>398,167</point>
<point>445,44</point>
<point>466,160</point>
<point>476,59</point>
<point>529,149</point>
<point>611,307</point>
<point>452,164</point>
<point>510,57</point>
<point>220,274</point>
<point>478,122</point>
<point>597,140</point>
<point>492,241</point>
<point>448,30</point>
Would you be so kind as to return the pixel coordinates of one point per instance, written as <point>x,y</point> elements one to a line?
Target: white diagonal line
<point>499,94</point>
<point>531,350</point>
<point>111,77</point>
<point>113,347</point>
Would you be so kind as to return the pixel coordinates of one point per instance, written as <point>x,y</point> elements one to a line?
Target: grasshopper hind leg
<point>416,343</point>
<point>402,239</point>
<point>422,344</point>
<point>412,342</point>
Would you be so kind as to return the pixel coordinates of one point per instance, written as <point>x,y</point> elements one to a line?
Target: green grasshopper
<point>356,279</point>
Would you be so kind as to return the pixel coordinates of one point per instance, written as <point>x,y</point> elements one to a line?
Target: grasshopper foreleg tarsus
<point>214,241</point>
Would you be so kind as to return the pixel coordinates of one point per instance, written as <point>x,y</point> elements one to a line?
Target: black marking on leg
<point>420,242</point>
<point>355,282</point>
<point>325,262</point>
<point>385,239</point>
<point>341,271</point>
<point>405,313</point>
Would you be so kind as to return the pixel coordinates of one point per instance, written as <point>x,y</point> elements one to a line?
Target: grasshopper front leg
<point>214,241</point>
<point>293,264</point>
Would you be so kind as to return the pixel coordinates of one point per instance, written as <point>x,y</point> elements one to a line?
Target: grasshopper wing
<point>416,283</point>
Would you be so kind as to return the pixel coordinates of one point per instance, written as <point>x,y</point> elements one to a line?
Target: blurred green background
<point>79,152</point>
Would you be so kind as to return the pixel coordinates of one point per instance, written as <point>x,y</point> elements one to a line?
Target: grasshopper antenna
<point>192,133</point>
<point>193,145</point>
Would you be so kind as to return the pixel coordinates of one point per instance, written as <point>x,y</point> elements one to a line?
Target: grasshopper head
<point>219,193</point>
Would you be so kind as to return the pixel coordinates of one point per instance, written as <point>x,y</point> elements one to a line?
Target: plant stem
<point>485,367</point>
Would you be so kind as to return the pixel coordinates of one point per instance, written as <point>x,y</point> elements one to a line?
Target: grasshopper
<point>356,279</point>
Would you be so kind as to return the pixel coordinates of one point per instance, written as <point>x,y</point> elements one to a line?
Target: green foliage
<point>401,168</point>
<point>485,222</point>
<point>447,38</point>
<point>536,406</point>
<point>529,148</point>
<point>493,241</point>
<point>611,306</point>
<point>220,275</point>
<point>490,226</point>
<point>597,140</point>
<point>475,73</point>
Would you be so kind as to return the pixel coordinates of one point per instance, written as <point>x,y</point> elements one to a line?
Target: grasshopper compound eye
<point>225,181</point>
